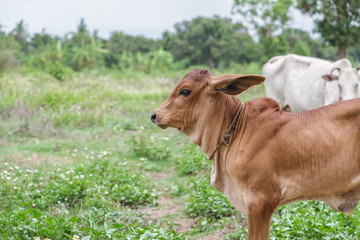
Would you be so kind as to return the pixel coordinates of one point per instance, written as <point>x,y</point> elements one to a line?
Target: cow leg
<point>259,212</point>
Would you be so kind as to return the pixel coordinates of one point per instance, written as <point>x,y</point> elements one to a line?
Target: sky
<point>149,18</point>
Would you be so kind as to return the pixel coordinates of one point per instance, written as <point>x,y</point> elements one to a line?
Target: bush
<point>58,71</point>
<point>8,60</point>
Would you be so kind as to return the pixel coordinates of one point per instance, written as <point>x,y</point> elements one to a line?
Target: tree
<point>21,35</point>
<point>338,21</point>
<point>41,40</point>
<point>209,41</point>
<point>121,44</point>
<point>79,38</point>
<point>266,16</point>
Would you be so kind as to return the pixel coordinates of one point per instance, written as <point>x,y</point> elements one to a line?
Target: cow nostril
<point>153,117</point>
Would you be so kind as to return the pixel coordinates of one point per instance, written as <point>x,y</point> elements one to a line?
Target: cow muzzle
<point>155,121</point>
<point>153,117</point>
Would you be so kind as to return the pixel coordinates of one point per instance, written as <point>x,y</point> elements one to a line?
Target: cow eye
<point>185,92</point>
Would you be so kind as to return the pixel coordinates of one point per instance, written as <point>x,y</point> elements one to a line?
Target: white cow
<point>301,83</point>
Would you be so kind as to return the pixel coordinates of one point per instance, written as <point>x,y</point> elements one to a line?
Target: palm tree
<point>21,35</point>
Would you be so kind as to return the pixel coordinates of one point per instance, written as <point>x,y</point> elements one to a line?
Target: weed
<point>205,201</point>
<point>192,161</point>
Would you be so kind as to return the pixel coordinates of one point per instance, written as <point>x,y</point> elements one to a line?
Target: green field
<point>80,158</point>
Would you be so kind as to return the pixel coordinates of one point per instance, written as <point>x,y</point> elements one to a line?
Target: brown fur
<point>274,157</point>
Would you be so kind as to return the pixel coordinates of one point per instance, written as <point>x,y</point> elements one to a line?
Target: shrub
<point>8,60</point>
<point>58,71</point>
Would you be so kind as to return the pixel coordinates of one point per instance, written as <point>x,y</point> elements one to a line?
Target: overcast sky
<point>149,18</point>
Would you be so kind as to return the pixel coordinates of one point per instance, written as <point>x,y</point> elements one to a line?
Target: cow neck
<point>209,131</point>
<point>226,136</point>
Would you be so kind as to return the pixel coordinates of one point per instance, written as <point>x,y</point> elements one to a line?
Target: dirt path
<point>171,209</point>
<point>167,208</point>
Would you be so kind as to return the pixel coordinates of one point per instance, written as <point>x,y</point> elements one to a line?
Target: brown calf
<point>272,157</point>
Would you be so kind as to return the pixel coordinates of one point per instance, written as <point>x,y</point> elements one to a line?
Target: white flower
<point>5,163</point>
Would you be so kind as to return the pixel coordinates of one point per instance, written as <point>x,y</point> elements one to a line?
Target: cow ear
<point>235,84</point>
<point>334,75</point>
<point>330,77</point>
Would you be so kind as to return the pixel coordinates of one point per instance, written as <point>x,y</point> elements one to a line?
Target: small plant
<point>192,161</point>
<point>58,71</point>
<point>149,147</point>
<point>205,201</point>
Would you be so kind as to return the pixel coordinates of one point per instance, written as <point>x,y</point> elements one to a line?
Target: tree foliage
<point>266,16</point>
<point>122,44</point>
<point>338,21</point>
<point>210,41</point>
<point>21,35</point>
<point>214,42</point>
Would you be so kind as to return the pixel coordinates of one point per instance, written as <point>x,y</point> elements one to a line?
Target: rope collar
<point>225,139</point>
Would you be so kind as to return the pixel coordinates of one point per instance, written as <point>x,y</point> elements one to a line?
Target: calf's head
<point>198,95</point>
<point>343,84</point>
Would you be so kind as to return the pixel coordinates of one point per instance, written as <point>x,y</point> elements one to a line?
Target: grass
<point>81,158</point>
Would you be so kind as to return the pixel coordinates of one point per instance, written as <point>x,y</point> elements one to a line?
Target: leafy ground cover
<point>80,159</point>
